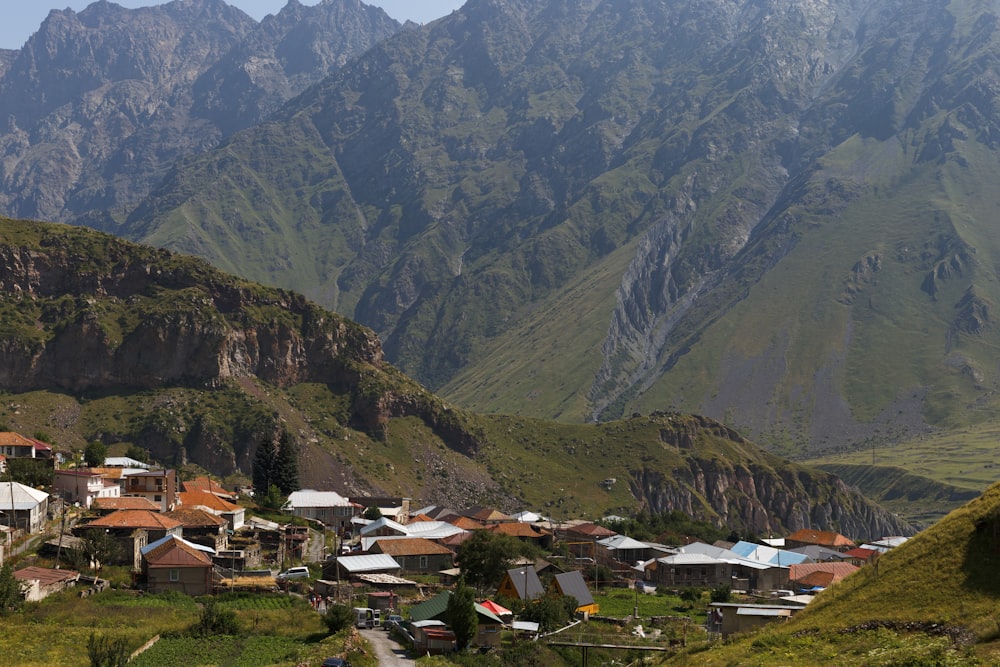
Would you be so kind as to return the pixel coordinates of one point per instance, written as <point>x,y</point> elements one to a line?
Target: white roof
<point>758,611</point>
<point>384,523</point>
<point>429,623</point>
<point>20,496</point>
<point>152,545</point>
<point>528,517</point>
<point>621,542</point>
<point>368,563</point>
<point>432,530</point>
<point>310,498</point>
<point>526,626</point>
<point>124,462</point>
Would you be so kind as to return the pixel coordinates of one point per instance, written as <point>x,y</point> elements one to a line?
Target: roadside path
<point>387,652</point>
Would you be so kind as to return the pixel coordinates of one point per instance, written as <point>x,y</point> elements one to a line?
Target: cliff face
<point>142,320</point>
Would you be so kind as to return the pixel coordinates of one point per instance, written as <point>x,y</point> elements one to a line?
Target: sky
<point>21,19</point>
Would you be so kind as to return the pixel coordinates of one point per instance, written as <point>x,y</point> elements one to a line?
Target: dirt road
<point>388,652</point>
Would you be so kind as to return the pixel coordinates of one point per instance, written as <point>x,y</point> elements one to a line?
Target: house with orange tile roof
<point>202,527</point>
<point>819,575</point>
<point>14,445</point>
<point>415,554</point>
<point>486,515</point>
<point>524,532</point>
<point>174,564</point>
<point>208,485</point>
<point>133,529</point>
<point>823,538</point>
<point>234,514</point>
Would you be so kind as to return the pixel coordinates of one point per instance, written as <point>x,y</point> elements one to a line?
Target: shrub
<point>338,617</point>
<point>104,651</point>
<point>216,620</point>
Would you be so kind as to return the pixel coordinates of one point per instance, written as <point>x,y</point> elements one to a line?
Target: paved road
<point>388,652</point>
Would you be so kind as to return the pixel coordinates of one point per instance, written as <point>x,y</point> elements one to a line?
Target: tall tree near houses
<point>461,613</point>
<point>286,467</point>
<point>263,467</point>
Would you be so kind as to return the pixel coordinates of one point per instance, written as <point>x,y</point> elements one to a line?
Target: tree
<point>100,547</point>
<point>263,467</point>
<point>286,465</point>
<point>461,613</point>
<point>272,499</point>
<point>95,453</point>
<point>372,513</point>
<point>551,612</point>
<point>11,591</point>
<point>486,556</point>
<point>138,453</point>
<point>32,472</point>
<point>215,620</point>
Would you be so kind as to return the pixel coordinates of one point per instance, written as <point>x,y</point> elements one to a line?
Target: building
<point>40,582</point>
<point>234,514</point>
<point>84,486</point>
<point>201,527</point>
<point>520,583</point>
<point>133,529</point>
<point>23,507</point>
<point>823,538</point>
<point>488,624</point>
<point>332,509</point>
<point>416,555</point>
<point>160,486</point>
<point>16,446</point>
<point>737,618</point>
<point>109,505</point>
<point>571,584</point>
<point>174,564</point>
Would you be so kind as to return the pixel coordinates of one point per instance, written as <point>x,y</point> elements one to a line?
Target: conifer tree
<point>263,466</point>
<point>286,466</point>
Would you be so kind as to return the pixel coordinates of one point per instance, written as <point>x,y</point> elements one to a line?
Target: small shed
<point>40,582</point>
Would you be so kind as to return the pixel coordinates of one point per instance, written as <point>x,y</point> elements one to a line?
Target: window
<point>423,562</point>
<point>175,575</point>
<point>157,498</point>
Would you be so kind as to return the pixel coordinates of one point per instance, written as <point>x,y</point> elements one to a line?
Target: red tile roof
<point>207,485</point>
<point>806,572</point>
<point>192,517</point>
<point>135,519</point>
<point>204,499</point>
<point>47,576</point>
<point>823,538</point>
<point>518,529</point>
<point>175,553</point>
<point>410,546</point>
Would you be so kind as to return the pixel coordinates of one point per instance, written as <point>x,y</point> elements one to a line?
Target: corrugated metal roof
<point>311,498</point>
<point>759,611</point>
<point>368,563</point>
<point>20,496</point>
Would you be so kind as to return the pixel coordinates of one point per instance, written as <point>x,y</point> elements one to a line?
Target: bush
<point>216,620</point>
<point>722,594</point>
<point>338,617</point>
<point>104,651</point>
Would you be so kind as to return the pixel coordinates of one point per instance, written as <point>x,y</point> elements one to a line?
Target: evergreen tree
<point>11,597</point>
<point>263,467</point>
<point>286,466</point>
<point>461,612</point>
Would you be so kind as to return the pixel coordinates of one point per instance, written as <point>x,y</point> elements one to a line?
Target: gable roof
<point>437,607</point>
<point>135,519</point>
<point>368,563</point>
<point>466,523</point>
<point>591,530</point>
<point>172,551</point>
<point>824,538</point>
<point>20,496</point>
<point>836,572</point>
<point>765,554</point>
<point>410,546</point>
<point>193,517</point>
<point>517,529</point>
<point>45,576</point>
<point>384,522</point>
<point>207,500</point>
<point>311,498</point>
<point>525,581</point>
<point>485,514</point>
<point>208,485</point>
<point>572,584</point>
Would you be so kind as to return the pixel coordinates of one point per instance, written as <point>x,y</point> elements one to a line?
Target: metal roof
<point>367,563</point>
<point>311,498</point>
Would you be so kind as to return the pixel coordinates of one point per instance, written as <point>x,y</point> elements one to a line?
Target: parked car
<point>336,662</point>
<point>299,572</point>
<point>392,621</point>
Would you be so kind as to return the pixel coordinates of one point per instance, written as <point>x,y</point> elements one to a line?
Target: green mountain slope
<point>104,340</point>
<point>929,601</point>
<point>780,218</point>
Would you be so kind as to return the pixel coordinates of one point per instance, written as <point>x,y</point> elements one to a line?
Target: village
<point>392,563</point>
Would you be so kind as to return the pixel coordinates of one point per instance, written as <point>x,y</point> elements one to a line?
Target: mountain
<point>779,217</point>
<point>98,104</point>
<point>930,601</point>
<point>104,340</point>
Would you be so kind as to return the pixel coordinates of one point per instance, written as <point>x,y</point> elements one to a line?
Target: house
<point>234,514</point>
<point>737,618</point>
<point>571,584</point>
<point>700,564</point>
<point>329,507</point>
<point>29,506</point>
<point>208,485</point>
<point>160,486</point>
<point>384,527</point>
<point>133,529</point>
<point>525,532</point>
<point>625,549</point>
<point>489,625</point>
<point>809,576</point>
<point>353,566</point>
<point>16,446</point>
<point>823,538</point>
<point>486,515</point>
<point>174,564</point>
<point>432,638</point>
<point>415,554</point>
<point>201,527</point>
<point>520,583</point>
<point>860,556</point>
<point>125,462</point>
<point>84,486</point>
<point>40,582</point>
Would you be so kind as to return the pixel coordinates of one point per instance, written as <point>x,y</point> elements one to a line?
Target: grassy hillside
<point>932,601</point>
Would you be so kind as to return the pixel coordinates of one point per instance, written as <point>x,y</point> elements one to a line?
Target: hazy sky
<point>21,18</point>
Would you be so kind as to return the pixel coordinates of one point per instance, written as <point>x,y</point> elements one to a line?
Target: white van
<point>299,572</point>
